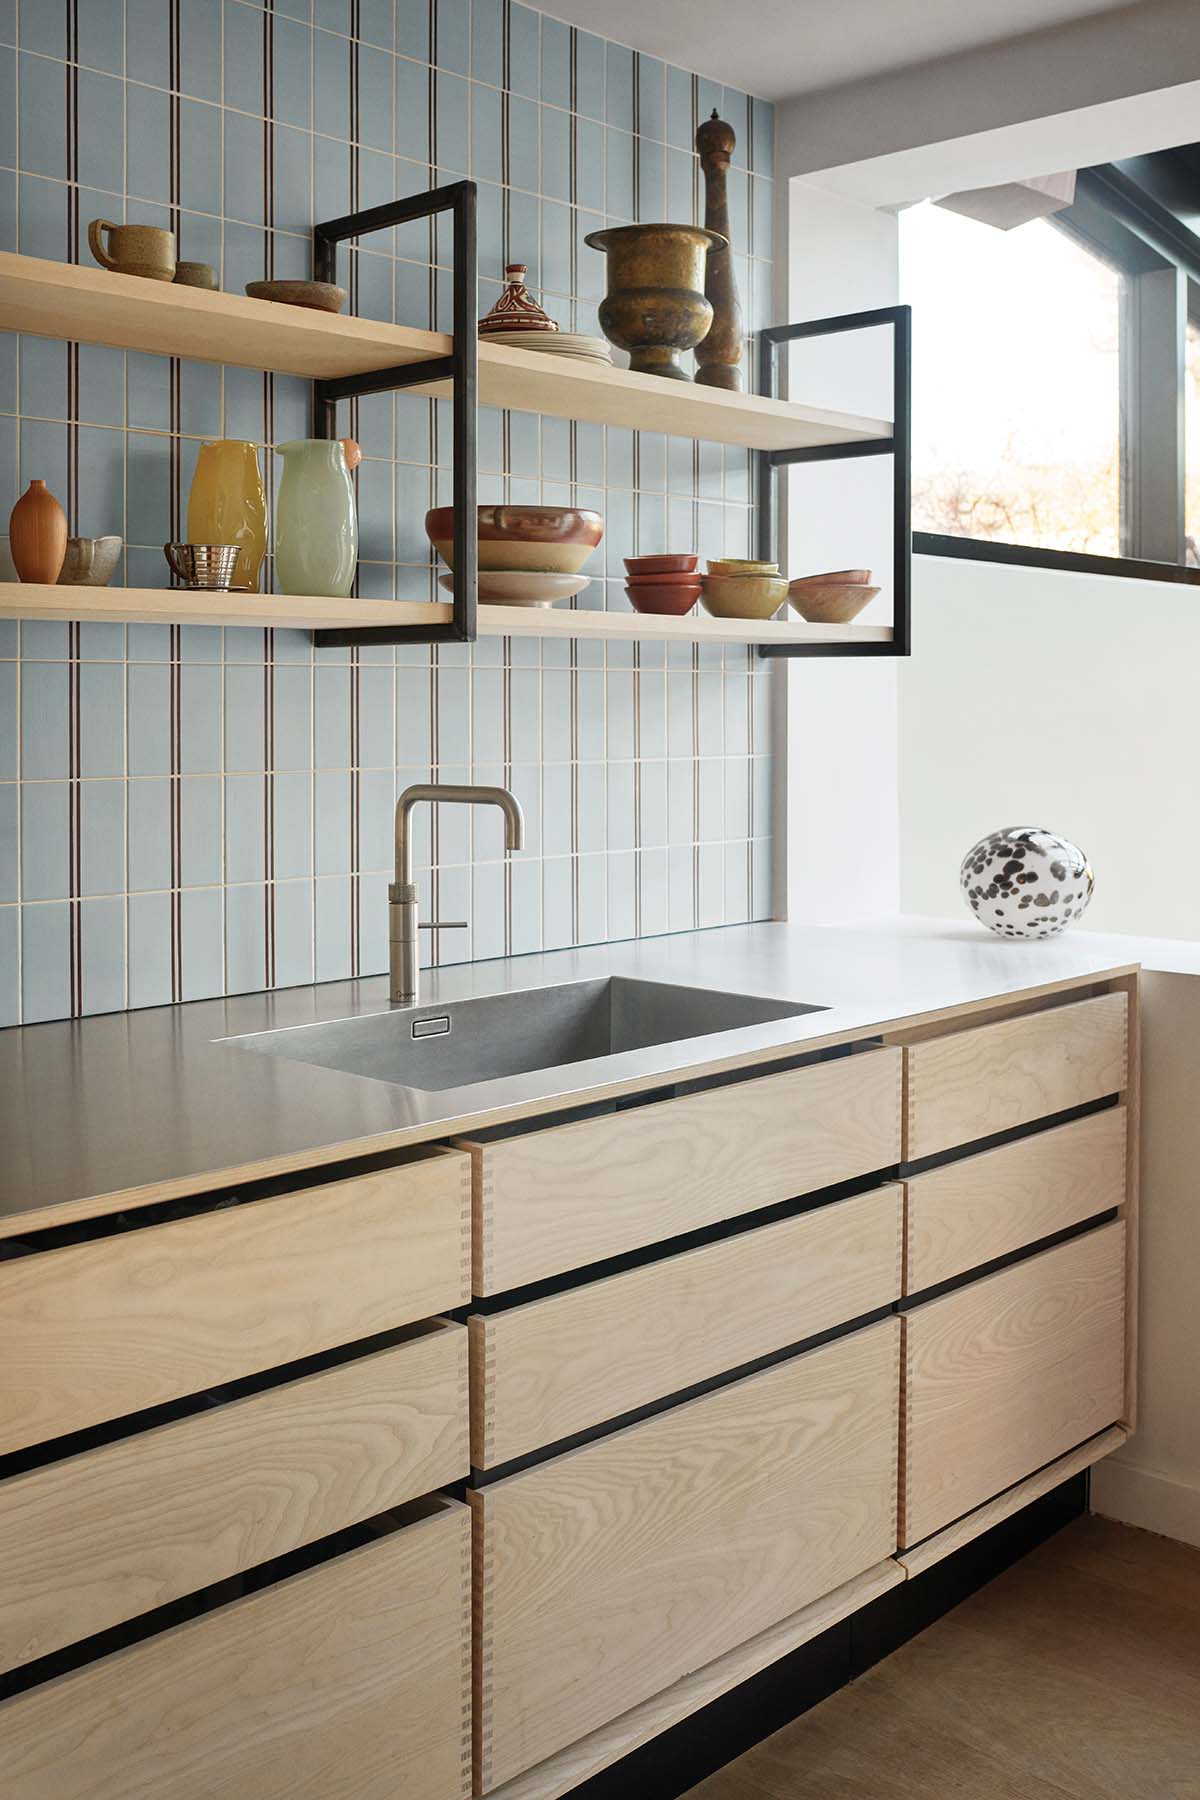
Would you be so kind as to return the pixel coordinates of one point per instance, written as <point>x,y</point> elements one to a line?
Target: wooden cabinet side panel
<point>557,1366</point>
<point>970,1084</point>
<point>1007,1373</point>
<point>117,1531</point>
<point>127,1322</point>
<point>981,1207</point>
<point>348,1682</point>
<point>604,1575</point>
<point>572,1195</point>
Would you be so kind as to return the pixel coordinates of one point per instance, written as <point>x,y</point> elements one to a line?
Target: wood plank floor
<point>1074,1676</point>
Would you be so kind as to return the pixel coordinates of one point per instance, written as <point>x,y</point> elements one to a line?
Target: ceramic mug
<point>133,249</point>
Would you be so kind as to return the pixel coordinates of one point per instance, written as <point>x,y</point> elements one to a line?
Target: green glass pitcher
<point>316,522</point>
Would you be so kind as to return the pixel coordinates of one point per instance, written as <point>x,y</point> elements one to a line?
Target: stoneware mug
<point>133,249</point>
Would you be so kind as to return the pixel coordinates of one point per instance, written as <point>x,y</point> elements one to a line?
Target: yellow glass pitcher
<point>228,505</point>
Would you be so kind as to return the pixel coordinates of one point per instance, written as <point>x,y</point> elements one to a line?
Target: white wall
<point>838,794</point>
<point>1037,697</point>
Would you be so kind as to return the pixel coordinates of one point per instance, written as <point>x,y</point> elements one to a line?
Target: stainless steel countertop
<point>127,1108</point>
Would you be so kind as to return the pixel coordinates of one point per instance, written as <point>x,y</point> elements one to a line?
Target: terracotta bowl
<point>684,578</point>
<point>854,577</point>
<point>661,565</point>
<point>551,540</point>
<point>830,602</point>
<point>743,596</point>
<point>674,600</point>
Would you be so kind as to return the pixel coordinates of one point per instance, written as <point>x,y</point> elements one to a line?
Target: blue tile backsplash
<point>186,811</point>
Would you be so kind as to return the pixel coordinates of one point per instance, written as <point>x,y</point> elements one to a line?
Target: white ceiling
<point>777,48</point>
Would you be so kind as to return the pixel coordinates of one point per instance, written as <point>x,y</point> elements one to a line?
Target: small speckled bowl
<point>90,562</point>
<point>743,596</point>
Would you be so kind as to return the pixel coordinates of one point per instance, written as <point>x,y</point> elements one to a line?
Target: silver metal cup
<point>202,565</point>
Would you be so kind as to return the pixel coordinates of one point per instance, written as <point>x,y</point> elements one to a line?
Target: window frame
<point>1158,260</point>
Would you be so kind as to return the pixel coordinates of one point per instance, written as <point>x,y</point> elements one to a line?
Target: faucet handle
<point>442,925</point>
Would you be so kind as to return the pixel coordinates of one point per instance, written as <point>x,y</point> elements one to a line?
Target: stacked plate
<point>517,587</point>
<point>554,343</point>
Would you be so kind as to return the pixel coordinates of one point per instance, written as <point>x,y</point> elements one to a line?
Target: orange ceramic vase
<point>37,534</point>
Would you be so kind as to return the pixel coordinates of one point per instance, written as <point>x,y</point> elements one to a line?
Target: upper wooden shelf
<point>314,612</point>
<point>93,306</point>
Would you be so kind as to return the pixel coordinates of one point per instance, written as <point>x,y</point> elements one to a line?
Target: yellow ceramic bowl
<point>743,596</point>
<point>736,565</point>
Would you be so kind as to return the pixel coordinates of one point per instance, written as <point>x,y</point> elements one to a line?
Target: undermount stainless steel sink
<point>456,1045</point>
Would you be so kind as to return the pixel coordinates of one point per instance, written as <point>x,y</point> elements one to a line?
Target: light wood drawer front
<point>115,1532</point>
<point>347,1682</point>
<point>985,1206</point>
<point>127,1322</point>
<point>553,1367</point>
<point>973,1083</point>
<point>605,1574</point>
<point>574,1194</point>
<point>1004,1375</point>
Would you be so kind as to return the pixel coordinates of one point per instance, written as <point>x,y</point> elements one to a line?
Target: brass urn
<point>655,305</point>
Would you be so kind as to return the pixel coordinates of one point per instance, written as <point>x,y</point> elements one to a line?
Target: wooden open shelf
<point>312,612</point>
<point>94,306</point>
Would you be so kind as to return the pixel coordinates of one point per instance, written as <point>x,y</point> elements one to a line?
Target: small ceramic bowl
<point>674,600</point>
<point>854,577</point>
<point>90,562</point>
<point>195,274</point>
<point>733,565</point>
<point>318,296</point>
<point>662,565</point>
<point>554,540</point>
<point>743,596</point>
<point>684,578</point>
<point>830,602</point>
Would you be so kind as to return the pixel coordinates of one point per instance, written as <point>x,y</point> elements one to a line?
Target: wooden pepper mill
<point>718,356</point>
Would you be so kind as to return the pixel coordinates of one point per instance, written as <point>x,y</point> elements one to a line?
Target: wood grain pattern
<point>981,1207</point>
<point>605,1575</point>
<point>556,1366</point>
<point>1131,987</point>
<point>972,1083</point>
<point>573,1194</point>
<point>93,306</point>
<point>561,1773</point>
<point>347,1682</point>
<point>188,606</point>
<point>126,1322</point>
<point>964,1531</point>
<point>117,1531</point>
<point>1007,1373</point>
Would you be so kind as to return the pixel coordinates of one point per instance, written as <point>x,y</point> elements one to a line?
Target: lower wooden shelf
<point>313,612</point>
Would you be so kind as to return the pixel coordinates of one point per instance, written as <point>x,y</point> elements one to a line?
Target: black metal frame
<point>1031,556</point>
<point>898,445</point>
<point>460,368</point>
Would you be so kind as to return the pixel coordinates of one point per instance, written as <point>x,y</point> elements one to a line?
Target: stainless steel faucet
<point>403,925</point>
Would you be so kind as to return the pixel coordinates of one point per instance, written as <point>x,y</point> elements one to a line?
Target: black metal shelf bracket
<point>773,463</point>
<point>460,368</point>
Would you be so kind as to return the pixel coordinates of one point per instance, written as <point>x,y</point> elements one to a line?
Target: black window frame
<point>1129,216</point>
